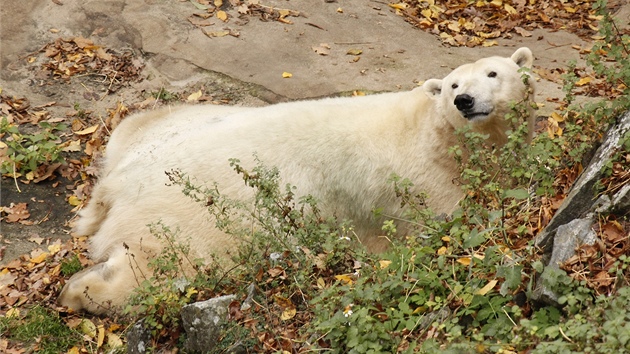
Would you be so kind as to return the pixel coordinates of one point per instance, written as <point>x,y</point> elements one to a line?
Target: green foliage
<point>172,285</point>
<point>70,266</point>
<point>42,329</point>
<point>164,95</point>
<point>26,152</point>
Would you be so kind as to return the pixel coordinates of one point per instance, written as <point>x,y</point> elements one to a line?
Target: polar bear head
<point>480,93</point>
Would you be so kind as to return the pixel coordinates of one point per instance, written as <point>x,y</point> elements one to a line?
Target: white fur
<point>341,150</point>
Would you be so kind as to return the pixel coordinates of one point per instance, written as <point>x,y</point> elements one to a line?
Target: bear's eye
<point>454,86</point>
<point>492,74</point>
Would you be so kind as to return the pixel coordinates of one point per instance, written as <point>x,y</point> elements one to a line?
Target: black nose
<point>464,102</point>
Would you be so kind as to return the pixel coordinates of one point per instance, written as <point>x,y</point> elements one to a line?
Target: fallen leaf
<point>354,52</point>
<point>72,146</point>
<point>16,212</point>
<point>286,75</point>
<point>39,258</point>
<point>523,32</point>
<point>288,314</point>
<point>215,33</point>
<point>38,240</point>
<point>487,288</point>
<point>194,96</point>
<point>464,260</point>
<point>345,279</point>
<point>384,264</point>
<point>322,49</point>
<point>88,130</point>
<point>399,6</point>
<point>222,15</point>
<point>114,341</point>
<point>74,200</point>
<point>275,271</point>
<point>88,328</point>
<point>101,336</point>
<point>583,81</point>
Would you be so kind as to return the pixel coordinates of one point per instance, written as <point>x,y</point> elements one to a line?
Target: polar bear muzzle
<point>466,105</point>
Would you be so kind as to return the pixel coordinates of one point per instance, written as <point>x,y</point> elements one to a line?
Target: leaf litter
<point>481,22</point>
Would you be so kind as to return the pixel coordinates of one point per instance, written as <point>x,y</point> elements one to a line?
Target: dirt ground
<point>244,67</point>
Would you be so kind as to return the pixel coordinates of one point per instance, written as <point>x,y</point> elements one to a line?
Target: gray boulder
<point>203,322</point>
<point>572,224</point>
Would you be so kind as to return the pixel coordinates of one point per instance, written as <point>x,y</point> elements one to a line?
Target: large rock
<point>581,200</point>
<point>139,339</point>
<point>572,224</point>
<point>203,323</point>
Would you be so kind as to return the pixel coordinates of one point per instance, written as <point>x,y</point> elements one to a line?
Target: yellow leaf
<point>73,350</point>
<point>286,75</point>
<point>464,260</point>
<point>489,43</point>
<point>74,200</point>
<point>87,131</point>
<point>497,3</point>
<point>88,328</point>
<point>53,249</point>
<point>114,341</point>
<point>222,15</point>
<point>399,6</point>
<point>384,264</point>
<point>284,13</point>
<point>354,52</point>
<point>288,314</point>
<point>30,176</point>
<point>427,13</point>
<point>487,288</point>
<point>12,312</point>
<point>321,284</point>
<point>509,9</point>
<point>558,118</point>
<point>441,250</point>
<point>101,336</point>
<point>446,239</point>
<point>194,96</point>
<point>218,3</point>
<point>40,258</point>
<point>345,278</point>
<point>340,10</point>
<point>583,81</point>
<point>190,292</point>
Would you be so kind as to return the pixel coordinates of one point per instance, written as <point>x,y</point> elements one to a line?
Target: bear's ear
<point>523,57</point>
<point>433,87</point>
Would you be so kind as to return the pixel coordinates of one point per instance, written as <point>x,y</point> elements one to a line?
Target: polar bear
<point>339,150</point>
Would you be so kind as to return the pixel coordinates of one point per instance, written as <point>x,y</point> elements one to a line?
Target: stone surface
<point>582,197</point>
<point>572,224</point>
<point>567,238</point>
<point>138,338</point>
<point>203,323</point>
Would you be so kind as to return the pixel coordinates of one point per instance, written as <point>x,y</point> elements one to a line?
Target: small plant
<point>164,95</point>
<point>70,266</point>
<point>42,329</point>
<point>26,152</point>
<point>172,285</point>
